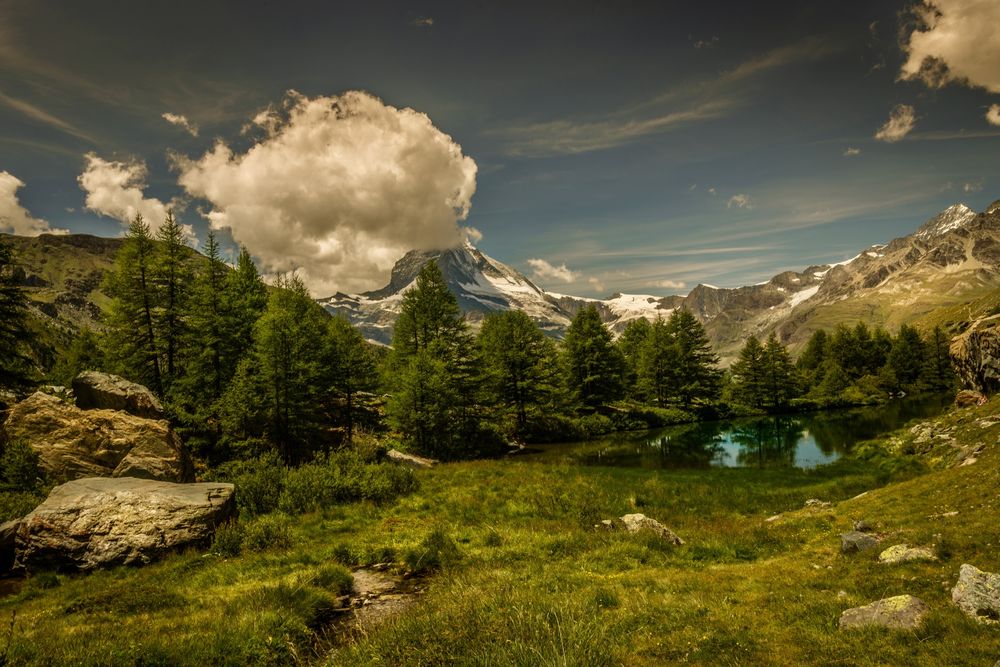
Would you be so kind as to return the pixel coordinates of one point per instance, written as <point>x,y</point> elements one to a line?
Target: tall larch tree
<point>593,363</point>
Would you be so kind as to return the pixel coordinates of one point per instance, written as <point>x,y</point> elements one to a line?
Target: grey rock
<point>857,542</point>
<point>902,553</point>
<point>863,526</point>
<point>72,443</point>
<point>635,523</point>
<point>817,503</point>
<point>410,460</point>
<point>102,522</point>
<point>103,391</point>
<point>977,593</point>
<point>902,612</point>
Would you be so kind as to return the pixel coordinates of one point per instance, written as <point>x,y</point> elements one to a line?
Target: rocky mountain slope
<point>952,259</point>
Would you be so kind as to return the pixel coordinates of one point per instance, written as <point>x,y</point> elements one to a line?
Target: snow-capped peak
<point>950,219</point>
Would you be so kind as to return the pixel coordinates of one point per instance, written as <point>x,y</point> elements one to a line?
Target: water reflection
<point>803,441</point>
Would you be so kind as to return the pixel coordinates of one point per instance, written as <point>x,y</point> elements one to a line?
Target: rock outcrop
<point>102,522</point>
<point>102,391</point>
<point>73,443</point>
<point>976,355</point>
<point>857,542</point>
<point>977,593</point>
<point>903,612</point>
<point>902,553</point>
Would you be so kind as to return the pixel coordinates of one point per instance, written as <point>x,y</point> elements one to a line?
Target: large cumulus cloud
<point>14,218</point>
<point>336,188</point>
<point>956,40</point>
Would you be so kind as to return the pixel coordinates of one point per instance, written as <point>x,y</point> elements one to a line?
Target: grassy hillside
<point>524,579</point>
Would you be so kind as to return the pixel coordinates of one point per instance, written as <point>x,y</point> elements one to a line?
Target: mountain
<point>951,260</point>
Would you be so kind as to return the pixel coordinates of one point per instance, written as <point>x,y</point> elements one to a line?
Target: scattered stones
<point>816,503</point>
<point>410,460</point>
<point>977,593</point>
<point>102,522</point>
<point>635,523</point>
<point>863,526</point>
<point>102,391</point>
<point>857,542</point>
<point>902,553</point>
<point>72,443</point>
<point>903,612</point>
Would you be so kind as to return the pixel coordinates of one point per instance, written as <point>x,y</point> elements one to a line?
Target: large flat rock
<point>902,612</point>
<point>72,443</point>
<point>102,522</point>
<point>103,391</point>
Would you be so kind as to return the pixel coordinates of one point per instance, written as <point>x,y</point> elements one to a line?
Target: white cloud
<point>671,284</point>
<point>741,200</point>
<point>14,218</point>
<point>955,41</point>
<point>596,284</point>
<point>115,189</point>
<point>852,151</point>
<point>337,188</point>
<point>542,269</point>
<point>902,119</point>
<point>993,114</point>
<point>181,122</point>
<point>424,22</point>
<point>711,191</point>
<point>972,187</point>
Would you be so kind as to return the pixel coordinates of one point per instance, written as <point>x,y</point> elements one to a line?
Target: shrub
<point>435,551</point>
<point>335,578</point>
<point>271,531</point>
<point>303,605</point>
<point>258,483</point>
<point>228,539</point>
<point>19,466</point>
<point>342,477</point>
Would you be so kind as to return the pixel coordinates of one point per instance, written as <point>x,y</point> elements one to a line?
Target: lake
<point>801,440</point>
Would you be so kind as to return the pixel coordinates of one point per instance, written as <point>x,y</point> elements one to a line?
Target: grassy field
<point>515,574</point>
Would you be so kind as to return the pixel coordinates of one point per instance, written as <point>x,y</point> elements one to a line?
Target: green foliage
<point>342,477</point>
<point>15,367</point>
<point>172,279</point>
<point>354,376</point>
<point>437,550</point>
<point>594,365</point>
<point>228,539</point>
<point>695,376</point>
<point>19,467</point>
<point>333,577</point>
<point>522,370</point>
<point>270,531</point>
<point>258,483</point>
<point>630,344</point>
<point>85,353</point>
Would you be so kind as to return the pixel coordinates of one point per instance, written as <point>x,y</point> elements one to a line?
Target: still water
<point>802,440</point>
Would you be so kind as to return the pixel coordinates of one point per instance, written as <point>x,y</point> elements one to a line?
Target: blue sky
<point>635,147</point>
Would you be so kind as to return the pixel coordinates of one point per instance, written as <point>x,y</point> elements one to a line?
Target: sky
<point>637,147</point>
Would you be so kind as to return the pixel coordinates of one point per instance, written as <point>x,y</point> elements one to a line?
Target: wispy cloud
<point>670,110</point>
<point>902,120</point>
<point>741,200</point>
<point>44,117</point>
<point>671,284</point>
<point>852,151</point>
<point>542,269</point>
<point>181,122</point>
<point>423,22</point>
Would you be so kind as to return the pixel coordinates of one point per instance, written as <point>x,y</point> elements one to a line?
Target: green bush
<point>271,531</point>
<point>258,483</point>
<point>19,466</point>
<point>15,504</point>
<point>342,477</point>
<point>228,539</point>
<point>435,551</point>
<point>335,578</point>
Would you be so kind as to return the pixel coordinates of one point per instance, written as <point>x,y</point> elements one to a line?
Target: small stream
<point>803,440</point>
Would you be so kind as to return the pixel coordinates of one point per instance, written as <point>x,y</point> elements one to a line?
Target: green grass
<point>516,575</point>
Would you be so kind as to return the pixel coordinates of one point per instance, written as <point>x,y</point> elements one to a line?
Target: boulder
<point>976,355</point>
<point>103,522</point>
<point>969,398</point>
<point>857,542</point>
<point>635,523</point>
<point>977,593</point>
<point>410,460</point>
<point>102,391</point>
<point>73,443</point>
<point>902,553</point>
<point>903,612</point>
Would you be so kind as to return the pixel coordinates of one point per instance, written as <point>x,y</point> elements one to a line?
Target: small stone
<point>841,595</point>
<point>772,519</point>
<point>639,522</point>
<point>816,503</point>
<point>903,612</point>
<point>857,542</point>
<point>969,461</point>
<point>902,553</point>
<point>977,593</point>
<point>863,526</point>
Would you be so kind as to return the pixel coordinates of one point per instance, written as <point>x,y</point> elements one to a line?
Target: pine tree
<point>810,361</point>
<point>14,362</point>
<point>593,363</point>
<point>630,346</point>
<point>779,382</point>
<point>173,280</point>
<point>244,301</point>
<point>938,371</point>
<point>432,348</point>
<point>748,373</point>
<point>695,376</point>
<point>658,362</point>
<point>131,342</point>
<point>520,364</point>
<point>354,370</point>
<point>906,359</point>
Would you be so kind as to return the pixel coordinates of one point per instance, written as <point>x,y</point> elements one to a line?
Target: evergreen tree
<point>658,363</point>
<point>593,363</point>
<point>810,362</point>
<point>630,346</point>
<point>433,351</point>
<point>695,376</point>
<point>520,364</point>
<point>353,370</point>
<point>85,353</point>
<point>14,362</point>
<point>131,338</point>
<point>207,332</point>
<point>173,280</point>
<point>748,373</point>
<point>938,371</point>
<point>906,359</point>
<point>779,381</point>
<point>244,301</point>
